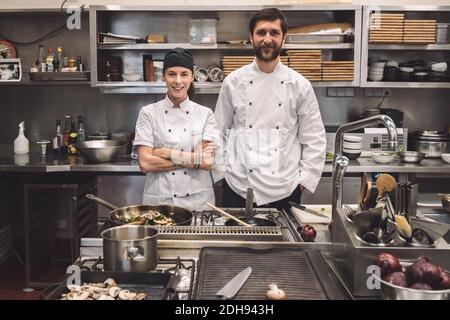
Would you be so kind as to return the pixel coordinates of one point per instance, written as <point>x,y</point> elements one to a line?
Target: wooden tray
<point>60,76</point>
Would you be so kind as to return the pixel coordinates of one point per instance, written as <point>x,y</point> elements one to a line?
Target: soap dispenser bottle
<point>21,144</point>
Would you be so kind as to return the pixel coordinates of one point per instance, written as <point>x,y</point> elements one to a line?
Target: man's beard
<point>259,54</point>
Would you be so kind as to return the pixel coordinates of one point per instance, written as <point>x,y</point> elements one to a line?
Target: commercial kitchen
<point>383,201</point>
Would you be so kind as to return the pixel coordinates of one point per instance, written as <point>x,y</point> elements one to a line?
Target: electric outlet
<point>386,92</point>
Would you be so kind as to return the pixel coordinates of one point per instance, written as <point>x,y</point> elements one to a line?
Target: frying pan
<point>181,216</point>
<point>248,217</point>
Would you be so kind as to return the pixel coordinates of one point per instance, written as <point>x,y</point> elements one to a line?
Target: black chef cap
<point>178,57</point>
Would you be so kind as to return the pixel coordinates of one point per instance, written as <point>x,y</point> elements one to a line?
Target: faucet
<point>340,162</point>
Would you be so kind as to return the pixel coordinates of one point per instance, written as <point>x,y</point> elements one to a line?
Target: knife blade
<point>234,285</point>
<point>299,206</point>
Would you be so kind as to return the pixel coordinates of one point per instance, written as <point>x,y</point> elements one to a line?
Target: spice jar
<point>72,63</point>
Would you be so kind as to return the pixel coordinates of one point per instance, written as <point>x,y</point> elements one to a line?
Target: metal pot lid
<point>437,136</point>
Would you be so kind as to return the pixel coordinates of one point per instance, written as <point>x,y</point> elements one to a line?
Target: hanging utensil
<point>226,214</point>
<point>385,183</point>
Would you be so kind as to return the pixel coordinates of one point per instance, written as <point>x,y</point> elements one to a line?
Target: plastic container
<point>442,32</point>
<point>203,31</point>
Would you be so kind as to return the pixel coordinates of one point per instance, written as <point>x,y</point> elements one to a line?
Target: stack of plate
<point>231,63</point>
<point>386,27</point>
<point>352,146</point>
<point>419,31</point>
<point>337,70</point>
<point>306,62</point>
<point>6,247</point>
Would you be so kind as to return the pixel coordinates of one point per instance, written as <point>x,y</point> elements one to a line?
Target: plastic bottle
<point>21,143</point>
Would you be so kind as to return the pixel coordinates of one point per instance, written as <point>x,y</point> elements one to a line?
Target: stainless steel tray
<point>314,38</point>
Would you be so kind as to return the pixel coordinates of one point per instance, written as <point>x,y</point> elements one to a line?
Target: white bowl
<point>350,138</point>
<point>133,77</point>
<point>392,63</point>
<point>439,67</point>
<point>376,78</point>
<point>376,73</point>
<point>378,64</point>
<point>383,157</point>
<point>352,145</point>
<point>351,150</point>
<point>446,157</point>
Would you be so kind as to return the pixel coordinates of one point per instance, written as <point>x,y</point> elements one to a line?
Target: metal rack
<point>41,209</point>
<point>401,49</point>
<point>114,18</point>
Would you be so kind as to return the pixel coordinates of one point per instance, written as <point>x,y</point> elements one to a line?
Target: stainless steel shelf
<point>431,47</point>
<point>200,87</point>
<point>423,85</point>
<point>219,46</point>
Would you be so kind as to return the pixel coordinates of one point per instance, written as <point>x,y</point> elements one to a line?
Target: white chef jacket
<point>161,125</point>
<point>272,131</point>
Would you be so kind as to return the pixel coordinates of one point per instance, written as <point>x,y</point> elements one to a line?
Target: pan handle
<point>101,201</point>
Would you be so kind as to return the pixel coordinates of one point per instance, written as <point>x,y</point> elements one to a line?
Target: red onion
<point>423,271</point>
<point>387,263</point>
<point>308,233</point>
<point>445,280</point>
<point>421,286</point>
<point>396,278</point>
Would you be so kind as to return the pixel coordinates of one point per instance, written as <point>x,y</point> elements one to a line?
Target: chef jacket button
<point>187,112</point>
<point>174,195</point>
<point>282,82</point>
<point>170,130</point>
<point>277,128</point>
<point>250,103</point>
<point>251,82</point>
<point>279,104</point>
<point>173,173</point>
<point>249,148</point>
<point>251,170</point>
<point>187,194</point>
<point>184,129</point>
<point>166,111</point>
<point>273,172</point>
<point>182,149</point>
<point>251,126</point>
<point>185,172</point>
<point>276,150</point>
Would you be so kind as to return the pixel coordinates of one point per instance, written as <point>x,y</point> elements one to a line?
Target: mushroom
<point>126,295</point>
<point>105,297</point>
<point>74,288</point>
<point>114,291</point>
<point>140,296</point>
<point>77,296</point>
<point>110,283</point>
<point>274,293</point>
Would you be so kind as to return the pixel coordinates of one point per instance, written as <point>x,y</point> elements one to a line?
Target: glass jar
<point>442,33</point>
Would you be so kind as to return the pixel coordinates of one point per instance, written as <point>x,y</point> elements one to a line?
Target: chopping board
<point>306,218</point>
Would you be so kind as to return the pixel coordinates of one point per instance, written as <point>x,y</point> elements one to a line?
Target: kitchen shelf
<point>402,52</point>
<point>431,47</point>
<point>387,84</point>
<point>172,22</point>
<point>200,87</point>
<point>219,46</point>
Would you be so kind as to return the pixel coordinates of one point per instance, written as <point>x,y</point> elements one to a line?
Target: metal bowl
<point>411,156</point>
<point>390,291</point>
<point>100,151</point>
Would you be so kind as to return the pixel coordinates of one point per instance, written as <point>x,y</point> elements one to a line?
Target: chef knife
<point>235,284</point>
<point>298,206</point>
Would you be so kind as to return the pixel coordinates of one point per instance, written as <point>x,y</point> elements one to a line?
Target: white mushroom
<point>126,295</point>
<point>110,283</point>
<point>114,291</point>
<point>274,293</point>
<point>105,297</point>
<point>74,288</point>
<point>77,295</point>
<point>140,296</point>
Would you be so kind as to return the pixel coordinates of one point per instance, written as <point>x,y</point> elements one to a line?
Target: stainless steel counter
<point>37,163</point>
